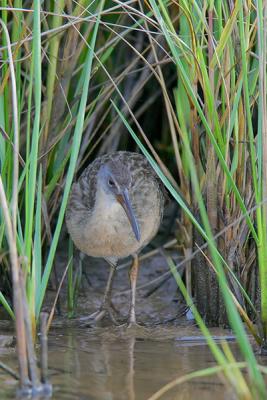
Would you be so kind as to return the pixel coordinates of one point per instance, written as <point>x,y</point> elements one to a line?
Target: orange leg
<point>133,279</point>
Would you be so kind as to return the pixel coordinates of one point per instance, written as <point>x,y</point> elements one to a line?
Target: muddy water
<point>116,364</point>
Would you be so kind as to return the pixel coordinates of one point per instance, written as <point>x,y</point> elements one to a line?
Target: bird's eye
<point>111,183</point>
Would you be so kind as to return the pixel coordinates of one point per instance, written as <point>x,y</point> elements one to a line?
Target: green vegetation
<point>185,80</point>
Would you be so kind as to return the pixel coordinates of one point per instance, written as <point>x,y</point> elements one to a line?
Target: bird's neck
<point>105,203</point>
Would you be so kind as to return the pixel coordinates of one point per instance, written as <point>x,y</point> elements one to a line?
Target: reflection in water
<point>105,364</point>
<point>130,375</point>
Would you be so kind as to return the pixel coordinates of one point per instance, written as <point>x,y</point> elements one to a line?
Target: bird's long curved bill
<point>124,200</point>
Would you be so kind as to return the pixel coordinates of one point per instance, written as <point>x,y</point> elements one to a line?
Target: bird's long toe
<point>106,312</point>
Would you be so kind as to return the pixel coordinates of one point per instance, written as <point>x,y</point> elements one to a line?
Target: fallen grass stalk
<point>194,375</point>
<point>9,370</point>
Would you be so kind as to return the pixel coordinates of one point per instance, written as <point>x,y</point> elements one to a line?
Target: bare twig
<point>57,294</point>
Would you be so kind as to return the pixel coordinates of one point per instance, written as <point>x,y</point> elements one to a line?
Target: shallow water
<point>116,364</point>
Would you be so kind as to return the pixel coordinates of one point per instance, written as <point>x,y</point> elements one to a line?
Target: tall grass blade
<point>73,158</point>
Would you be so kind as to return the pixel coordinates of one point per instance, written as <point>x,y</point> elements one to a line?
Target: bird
<point>114,210</point>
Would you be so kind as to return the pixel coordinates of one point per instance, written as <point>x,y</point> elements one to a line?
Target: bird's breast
<point>108,232</point>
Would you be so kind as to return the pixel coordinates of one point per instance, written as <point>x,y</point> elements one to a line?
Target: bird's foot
<point>106,311</point>
<point>131,324</point>
<point>134,327</point>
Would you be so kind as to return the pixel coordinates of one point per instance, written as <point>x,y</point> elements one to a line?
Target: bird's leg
<point>106,306</point>
<point>106,303</point>
<point>133,279</point>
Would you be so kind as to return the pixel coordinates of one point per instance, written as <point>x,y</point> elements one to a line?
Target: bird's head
<point>116,181</point>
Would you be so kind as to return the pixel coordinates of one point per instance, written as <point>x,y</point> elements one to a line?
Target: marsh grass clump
<point>188,82</point>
